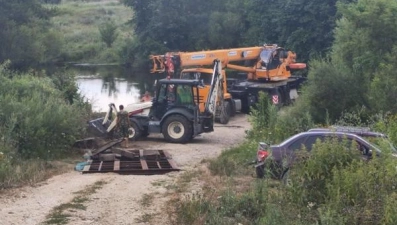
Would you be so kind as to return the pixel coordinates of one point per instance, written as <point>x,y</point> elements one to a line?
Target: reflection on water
<point>100,93</point>
<point>104,85</point>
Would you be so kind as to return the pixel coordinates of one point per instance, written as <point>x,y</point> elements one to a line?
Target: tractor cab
<point>176,94</point>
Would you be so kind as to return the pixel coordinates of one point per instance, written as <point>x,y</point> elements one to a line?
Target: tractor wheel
<point>225,113</point>
<point>177,129</point>
<point>134,132</point>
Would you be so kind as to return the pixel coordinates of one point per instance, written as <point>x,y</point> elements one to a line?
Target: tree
<point>383,90</point>
<point>24,25</point>
<point>360,71</point>
<point>108,32</point>
<point>365,41</point>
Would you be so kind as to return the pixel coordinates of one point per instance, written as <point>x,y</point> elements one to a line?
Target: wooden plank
<point>151,152</point>
<point>106,146</point>
<point>100,166</point>
<point>158,165</point>
<point>87,167</point>
<point>143,161</point>
<point>128,154</point>
<point>170,160</point>
<point>116,165</point>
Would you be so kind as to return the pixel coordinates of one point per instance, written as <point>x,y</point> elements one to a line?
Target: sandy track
<point>119,200</point>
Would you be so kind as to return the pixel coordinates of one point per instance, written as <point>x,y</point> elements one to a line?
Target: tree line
<point>303,26</point>
<point>349,45</point>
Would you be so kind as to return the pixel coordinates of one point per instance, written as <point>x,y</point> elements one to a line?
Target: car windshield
<point>380,142</point>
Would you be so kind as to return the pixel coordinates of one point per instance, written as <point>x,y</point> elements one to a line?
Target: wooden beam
<point>143,161</point>
<point>116,165</point>
<point>100,166</point>
<point>87,167</point>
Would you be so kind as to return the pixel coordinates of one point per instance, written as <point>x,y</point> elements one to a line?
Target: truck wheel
<point>134,132</point>
<point>232,109</point>
<point>225,113</point>
<point>177,129</point>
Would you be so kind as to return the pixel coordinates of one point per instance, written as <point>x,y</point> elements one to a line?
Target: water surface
<point>102,85</point>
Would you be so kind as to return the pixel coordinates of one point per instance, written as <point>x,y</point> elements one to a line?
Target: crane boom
<point>270,62</point>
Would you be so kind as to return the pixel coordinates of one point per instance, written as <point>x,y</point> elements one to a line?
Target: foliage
<point>364,35</point>
<point>36,120</point>
<point>232,23</point>
<point>272,126</point>
<point>314,170</point>
<point>249,207</point>
<point>342,184</point>
<point>383,91</point>
<point>234,161</point>
<point>78,22</point>
<point>331,90</point>
<point>108,32</point>
<point>357,77</point>
<point>24,34</point>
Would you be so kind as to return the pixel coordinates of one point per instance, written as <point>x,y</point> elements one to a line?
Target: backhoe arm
<point>216,89</point>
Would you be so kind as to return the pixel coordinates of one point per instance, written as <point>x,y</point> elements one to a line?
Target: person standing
<point>146,97</point>
<point>123,124</point>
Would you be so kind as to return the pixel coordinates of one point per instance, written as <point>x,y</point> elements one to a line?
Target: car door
<point>305,142</point>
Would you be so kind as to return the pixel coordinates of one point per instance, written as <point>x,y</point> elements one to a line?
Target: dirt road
<point>120,199</point>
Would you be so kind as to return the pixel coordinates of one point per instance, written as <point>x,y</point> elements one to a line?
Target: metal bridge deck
<point>122,161</point>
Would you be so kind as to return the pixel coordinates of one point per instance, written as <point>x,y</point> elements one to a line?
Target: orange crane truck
<point>266,68</point>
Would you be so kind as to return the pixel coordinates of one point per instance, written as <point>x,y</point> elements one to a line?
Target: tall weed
<point>36,118</point>
<point>342,188</point>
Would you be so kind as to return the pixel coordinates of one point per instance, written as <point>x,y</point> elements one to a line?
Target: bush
<point>341,187</point>
<point>35,118</point>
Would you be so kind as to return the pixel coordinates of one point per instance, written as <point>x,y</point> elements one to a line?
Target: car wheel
<point>177,129</point>
<point>260,171</point>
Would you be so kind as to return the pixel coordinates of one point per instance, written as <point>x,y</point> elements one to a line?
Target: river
<point>101,85</point>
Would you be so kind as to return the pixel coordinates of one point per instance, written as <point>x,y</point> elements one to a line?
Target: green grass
<point>146,200</point>
<point>235,161</point>
<point>145,218</point>
<point>61,213</point>
<point>79,21</point>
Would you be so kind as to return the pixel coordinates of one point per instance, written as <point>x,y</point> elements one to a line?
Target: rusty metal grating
<point>131,162</point>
